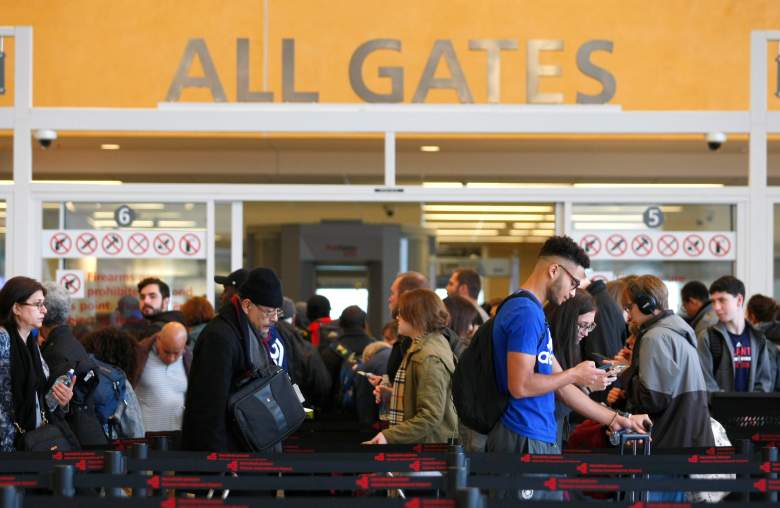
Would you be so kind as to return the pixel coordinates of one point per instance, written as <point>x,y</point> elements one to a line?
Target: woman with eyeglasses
<point>27,400</point>
<point>571,322</point>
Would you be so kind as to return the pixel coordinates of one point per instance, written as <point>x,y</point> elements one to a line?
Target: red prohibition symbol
<point>138,244</point>
<point>71,283</point>
<point>591,244</point>
<point>60,243</point>
<point>693,245</point>
<point>164,244</point>
<point>668,245</point>
<point>642,245</point>
<point>719,245</point>
<point>112,244</point>
<point>189,245</point>
<point>616,245</point>
<point>86,244</point>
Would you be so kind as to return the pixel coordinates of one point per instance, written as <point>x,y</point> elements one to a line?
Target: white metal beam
<point>404,118</point>
<point>390,159</point>
<point>236,235</point>
<point>368,193</point>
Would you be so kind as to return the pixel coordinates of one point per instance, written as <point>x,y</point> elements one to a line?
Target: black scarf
<point>27,378</point>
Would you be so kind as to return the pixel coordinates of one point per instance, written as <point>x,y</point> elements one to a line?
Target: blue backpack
<point>110,396</point>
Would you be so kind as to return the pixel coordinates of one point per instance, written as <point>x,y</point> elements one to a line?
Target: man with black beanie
<point>242,337</point>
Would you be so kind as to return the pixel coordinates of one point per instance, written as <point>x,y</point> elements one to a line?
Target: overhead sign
<point>124,216</point>
<point>124,244</point>
<point>72,281</point>
<point>653,217</point>
<point>659,245</point>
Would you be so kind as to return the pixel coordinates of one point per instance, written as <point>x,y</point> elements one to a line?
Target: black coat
<point>62,351</point>
<point>218,364</point>
<point>308,369</point>
<point>355,341</point>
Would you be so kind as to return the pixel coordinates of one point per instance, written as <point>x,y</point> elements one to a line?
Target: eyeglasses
<point>586,328</point>
<point>271,313</point>
<point>39,305</point>
<point>575,281</point>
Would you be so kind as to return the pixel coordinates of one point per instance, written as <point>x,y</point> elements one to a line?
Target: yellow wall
<point>669,54</point>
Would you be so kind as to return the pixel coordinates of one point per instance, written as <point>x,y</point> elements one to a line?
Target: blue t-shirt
<point>742,360</point>
<point>521,327</point>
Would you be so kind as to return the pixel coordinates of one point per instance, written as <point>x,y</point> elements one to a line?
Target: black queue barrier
<point>459,479</point>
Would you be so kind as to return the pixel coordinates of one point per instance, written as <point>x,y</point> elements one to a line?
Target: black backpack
<point>478,400</point>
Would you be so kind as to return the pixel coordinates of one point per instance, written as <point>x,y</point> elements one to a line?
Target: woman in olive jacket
<point>421,407</point>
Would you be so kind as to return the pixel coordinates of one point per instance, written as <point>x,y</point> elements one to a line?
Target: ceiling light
<point>648,185</point>
<point>493,239</point>
<point>488,208</point>
<point>176,223</point>
<point>472,232</point>
<point>529,217</point>
<point>475,225</point>
<point>623,226</point>
<point>109,146</point>
<point>516,185</point>
<point>430,148</point>
<point>622,208</point>
<point>534,225</point>
<point>606,217</point>
<point>441,185</point>
<point>530,232</point>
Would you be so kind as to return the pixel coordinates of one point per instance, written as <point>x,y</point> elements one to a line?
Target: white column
<point>24,214</point>
<point>211,251</point>
<point>236,235</point>
<point>759,237</point>
<point>390,159</point>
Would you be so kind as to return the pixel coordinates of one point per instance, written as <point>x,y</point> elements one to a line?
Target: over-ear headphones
<point>644,301</point>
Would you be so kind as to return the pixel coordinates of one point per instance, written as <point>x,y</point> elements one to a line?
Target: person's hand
<point>374,379</point>
<point>602,383</point>
<point>378,439</point>
<point>63,393</point>
<point>586,374</point>
<point>379,392</point>
<point>615,395</point>
<point>634,423</point>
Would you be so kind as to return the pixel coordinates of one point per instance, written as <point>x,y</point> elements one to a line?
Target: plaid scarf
<point>396,412</point>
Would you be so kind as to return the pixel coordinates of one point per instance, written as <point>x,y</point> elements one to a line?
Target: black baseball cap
<point>235,279</point>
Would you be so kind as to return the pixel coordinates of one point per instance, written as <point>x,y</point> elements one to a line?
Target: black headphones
<point>644,301</point>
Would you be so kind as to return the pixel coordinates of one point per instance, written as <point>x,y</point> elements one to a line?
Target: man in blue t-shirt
<point>733,354</point>
<point>526,367</point>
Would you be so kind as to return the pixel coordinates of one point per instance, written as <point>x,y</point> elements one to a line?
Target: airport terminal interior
<point>383,225</point>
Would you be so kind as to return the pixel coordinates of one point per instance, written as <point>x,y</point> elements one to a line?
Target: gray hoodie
<point>668,383</point>
<point>719,368</point>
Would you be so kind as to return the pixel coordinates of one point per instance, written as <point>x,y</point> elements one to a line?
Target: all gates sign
<point>659,245</point>
<point>124,244</point>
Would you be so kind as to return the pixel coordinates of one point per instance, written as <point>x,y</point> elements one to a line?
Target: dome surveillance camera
<point>715,140</point>
<point>45,137</point>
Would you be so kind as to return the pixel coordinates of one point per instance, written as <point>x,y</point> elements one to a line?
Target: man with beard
<point>155,296</point>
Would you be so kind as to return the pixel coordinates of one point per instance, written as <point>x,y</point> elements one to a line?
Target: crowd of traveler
<point>576,357</point>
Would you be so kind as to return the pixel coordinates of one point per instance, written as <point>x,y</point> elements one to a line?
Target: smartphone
<point>364,373</point>
<point>617,369</point>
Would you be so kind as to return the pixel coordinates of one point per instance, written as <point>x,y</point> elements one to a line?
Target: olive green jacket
<point>429,412</point>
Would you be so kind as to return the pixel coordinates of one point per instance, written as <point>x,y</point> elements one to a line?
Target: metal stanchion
<point>62,481</point>
<point>770,455</point>
<point>161,443</point>
<point>113,464</point>
<point>469,497</point>
<point>140,451</point>
<point>10,497</point>
<point>457,470</point>
<point>745,448</point>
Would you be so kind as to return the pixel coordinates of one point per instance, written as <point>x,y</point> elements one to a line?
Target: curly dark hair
<point>565,247</point>
<point>112,346</point>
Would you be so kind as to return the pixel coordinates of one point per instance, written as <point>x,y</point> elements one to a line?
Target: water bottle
<point>65,379</point>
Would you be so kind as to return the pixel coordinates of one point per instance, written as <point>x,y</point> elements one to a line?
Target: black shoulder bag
<point>265,407</point>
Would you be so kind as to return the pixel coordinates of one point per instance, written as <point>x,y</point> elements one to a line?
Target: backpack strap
<point>716,350</point>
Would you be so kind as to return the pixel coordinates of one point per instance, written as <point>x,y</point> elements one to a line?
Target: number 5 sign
<point>653,217</point>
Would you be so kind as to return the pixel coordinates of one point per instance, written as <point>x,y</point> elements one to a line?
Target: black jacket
<point>62,351</point>
<point>219,363</point>
<point>355,341</point>
<point>308,369</point>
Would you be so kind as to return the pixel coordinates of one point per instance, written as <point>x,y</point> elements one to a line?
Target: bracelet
<point>613,419</point>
